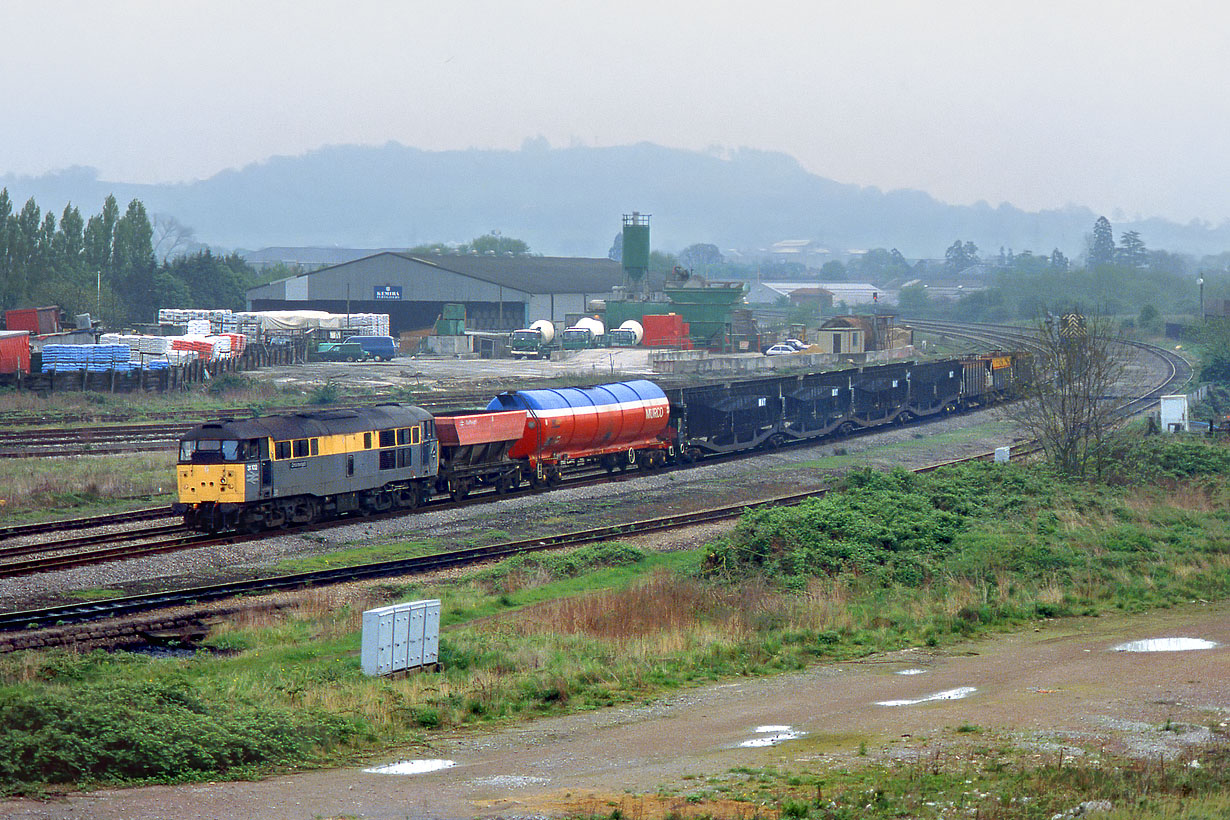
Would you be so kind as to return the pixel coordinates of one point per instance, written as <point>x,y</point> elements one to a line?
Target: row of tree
<point>106,265</point>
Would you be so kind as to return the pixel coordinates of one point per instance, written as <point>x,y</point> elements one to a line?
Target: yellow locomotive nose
<point>200,483</point>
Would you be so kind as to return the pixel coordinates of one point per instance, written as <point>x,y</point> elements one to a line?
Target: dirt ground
<point>1059,684</point>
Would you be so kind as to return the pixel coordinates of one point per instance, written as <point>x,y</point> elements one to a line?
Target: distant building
<point>852,293</point>
<point>499,292</point>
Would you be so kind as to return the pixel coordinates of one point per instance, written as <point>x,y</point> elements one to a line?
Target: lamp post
<point>1200,282</point>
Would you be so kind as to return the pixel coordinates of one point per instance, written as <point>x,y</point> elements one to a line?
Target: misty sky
<point>1116,105</point>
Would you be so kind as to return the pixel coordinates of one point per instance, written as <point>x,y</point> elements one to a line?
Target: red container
<point>664,331</point>
<point>14,351</point>
<point>38,321</point>
<point>480,428</point>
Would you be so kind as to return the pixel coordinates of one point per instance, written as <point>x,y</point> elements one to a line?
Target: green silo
<point>636,246</point>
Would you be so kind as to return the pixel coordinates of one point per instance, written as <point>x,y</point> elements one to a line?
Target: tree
<point>1102,247</point>
<point>833,271</point>
<point>1132,252</point>
<point>700,255</point>
<point>960,255</point>
<point>171,237</point>
<point>1059,262</point>
<point>1067,405</point>
<point>493,243</point>
<point>913,300</point>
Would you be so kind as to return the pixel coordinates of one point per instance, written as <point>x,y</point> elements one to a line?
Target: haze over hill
<point>568,201</point>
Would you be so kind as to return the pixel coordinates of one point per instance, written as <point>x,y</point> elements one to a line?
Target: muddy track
<point>1058,685</point>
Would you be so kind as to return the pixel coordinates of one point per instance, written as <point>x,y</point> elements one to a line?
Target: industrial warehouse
<point>499,292</point>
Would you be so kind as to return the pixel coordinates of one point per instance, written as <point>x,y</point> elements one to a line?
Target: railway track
<point>116,439</point>
<point>83,612</point>
<point>1178,371</point>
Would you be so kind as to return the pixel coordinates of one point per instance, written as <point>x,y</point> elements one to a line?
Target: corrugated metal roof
<point>533,274</point>
<point>529,274</point>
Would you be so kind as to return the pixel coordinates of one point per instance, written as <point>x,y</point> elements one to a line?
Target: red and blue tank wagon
<point>615,425</point>
<point>474,451</point>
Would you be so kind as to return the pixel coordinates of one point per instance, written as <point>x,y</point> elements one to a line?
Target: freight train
<point>276,471</point>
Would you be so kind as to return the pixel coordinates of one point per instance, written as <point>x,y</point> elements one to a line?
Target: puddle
<point>773,735</point>
<point>947,694</point>
<point>1165,645</point>
<point>910,671</point>
<point>412,767</point>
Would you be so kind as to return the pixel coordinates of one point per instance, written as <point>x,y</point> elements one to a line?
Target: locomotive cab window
<point>301,448</point>
<point>281,449</point>
<point>367,441</point>
<point>212,451</point>
<point>315,446</point>
<point>388,438</point>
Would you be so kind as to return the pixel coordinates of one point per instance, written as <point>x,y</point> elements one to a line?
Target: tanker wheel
<point>505,484</point>
<point>609,463</point>
<point>459,491</point>
<point>554,479</point>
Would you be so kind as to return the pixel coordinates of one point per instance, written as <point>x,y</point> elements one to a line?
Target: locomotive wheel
<point>382,501</point>
<point>407,499</point>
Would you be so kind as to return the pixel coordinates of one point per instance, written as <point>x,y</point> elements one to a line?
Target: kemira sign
<point>385,293</point>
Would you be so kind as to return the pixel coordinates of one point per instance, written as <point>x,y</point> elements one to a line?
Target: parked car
<point>780,350</point>
<point>796,344</point>
<point>380,348</point>
<point>339,352</point>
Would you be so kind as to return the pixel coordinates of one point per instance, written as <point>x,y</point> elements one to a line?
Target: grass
<point>37,488</point>
<point>893,560</point>
<point>988,778</point>
<point>353,556</point>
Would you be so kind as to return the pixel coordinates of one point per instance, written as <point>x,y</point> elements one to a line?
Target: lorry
<point>534,342</point>
<point>629,334</point>
<point>585,334</point>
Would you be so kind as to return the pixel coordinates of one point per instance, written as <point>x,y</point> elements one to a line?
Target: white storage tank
<point>594,326</point>
<point>638,332</point>
<point>545,329</point>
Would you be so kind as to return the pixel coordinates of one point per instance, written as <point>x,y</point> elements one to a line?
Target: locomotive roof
<point>311,423</point>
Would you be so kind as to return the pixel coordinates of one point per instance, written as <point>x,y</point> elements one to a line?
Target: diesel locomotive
<point>294,469</point>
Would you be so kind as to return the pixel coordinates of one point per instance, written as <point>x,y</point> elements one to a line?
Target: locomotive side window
<point>388,459</point>
<point>281,449</point>
<point>414,435</point>
<point>301,447</point>
<point>349,465</point>
<point>315,446</point>
<point>388,438</point>
<point>403,435</point>
<point>367,441</point>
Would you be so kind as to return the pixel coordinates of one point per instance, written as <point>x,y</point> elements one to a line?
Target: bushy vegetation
<point>1031,540</point>
<point>890,561</point>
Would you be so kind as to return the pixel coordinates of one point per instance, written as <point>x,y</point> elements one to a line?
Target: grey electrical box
<point>401,636</point>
